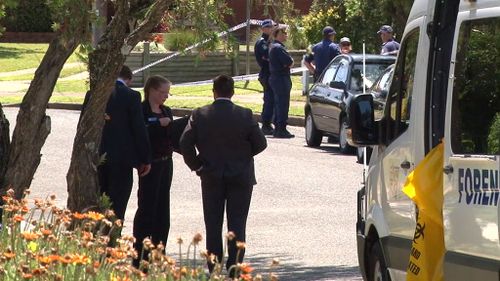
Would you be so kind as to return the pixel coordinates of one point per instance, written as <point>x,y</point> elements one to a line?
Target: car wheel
<point>377,268</point>
<point>313,135</point>
<point>345,148</point>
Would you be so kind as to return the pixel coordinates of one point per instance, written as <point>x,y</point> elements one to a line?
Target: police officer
<point>280,63</point>
<point>262,57</point>
<point>345,45</point>
<point>322,53</point>
<point>389,45</point>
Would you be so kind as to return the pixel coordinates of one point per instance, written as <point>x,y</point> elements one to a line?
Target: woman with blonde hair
<point>152,218</point>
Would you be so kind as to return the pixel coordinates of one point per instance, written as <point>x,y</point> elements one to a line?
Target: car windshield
<point>373,71</point>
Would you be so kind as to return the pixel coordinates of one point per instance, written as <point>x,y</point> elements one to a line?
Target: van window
<point>398,106</point>
<point>476,91</point>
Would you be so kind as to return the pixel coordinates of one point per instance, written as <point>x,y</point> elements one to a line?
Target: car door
<point>399,149</point>
<point>334,97</point>
<point>318,96</point>
<point>472,150</point>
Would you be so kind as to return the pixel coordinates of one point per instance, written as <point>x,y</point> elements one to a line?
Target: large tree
<point>71,18</point>
<point>105,63</point>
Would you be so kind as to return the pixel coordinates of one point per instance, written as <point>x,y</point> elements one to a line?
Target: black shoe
<point>283,134</point>
<point>267,129</point>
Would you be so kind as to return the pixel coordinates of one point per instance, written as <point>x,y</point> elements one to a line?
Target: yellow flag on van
<point>424,186</point>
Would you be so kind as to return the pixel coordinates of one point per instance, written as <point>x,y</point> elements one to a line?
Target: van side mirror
<point>362,125</point>
<point>338,85</point>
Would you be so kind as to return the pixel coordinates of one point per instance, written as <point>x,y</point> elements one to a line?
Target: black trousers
<point>152,218</point>
<point>235,196</point>
<point>115,181</point>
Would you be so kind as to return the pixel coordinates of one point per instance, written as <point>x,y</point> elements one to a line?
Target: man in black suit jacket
<point>124,143</point>
<point>227,138</point>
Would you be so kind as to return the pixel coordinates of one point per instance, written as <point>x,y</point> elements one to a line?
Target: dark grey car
<point>339,82</point>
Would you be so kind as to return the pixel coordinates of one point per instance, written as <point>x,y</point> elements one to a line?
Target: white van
<point>446,85</point>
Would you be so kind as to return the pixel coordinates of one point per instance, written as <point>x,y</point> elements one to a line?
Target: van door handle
<point>448,169</point>
<point>405,165</point>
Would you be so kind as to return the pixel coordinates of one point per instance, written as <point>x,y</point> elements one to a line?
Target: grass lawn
<point>14,56</point>
<point>24,56</point>
<point>65,72</point>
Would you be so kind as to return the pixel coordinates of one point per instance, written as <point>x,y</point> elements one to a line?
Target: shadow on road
<point>293,271</point>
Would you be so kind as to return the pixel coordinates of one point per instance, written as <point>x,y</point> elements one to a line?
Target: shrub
<point>29,16</point>
<point>179,39</point>
<point>494,136</point>
<point>49,243</point>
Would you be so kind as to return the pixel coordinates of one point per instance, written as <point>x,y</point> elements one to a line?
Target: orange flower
<point>117,253</point>
<point>80,259</point>
<point>246,277</point>
<point>30,236</point>
<point>18,218</point>
<point>39,271</point>
<point>46,232</point>
<point>54,258</point>
<point>27,276</point>
<point>245,268</point>
<point>44,260</point>
<point>24,209</point>
<point>87,235</point>
<point>78,216</point>
<point>95,216</point>
<point>66,259</point>
<point>96,264</point>
<point>9,254</point>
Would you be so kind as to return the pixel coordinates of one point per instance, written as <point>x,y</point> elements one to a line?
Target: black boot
<point>267,129</point>
<point>282,133</point>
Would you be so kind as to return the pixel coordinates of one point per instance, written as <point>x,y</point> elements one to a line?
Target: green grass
<point>71,86</point>
<point>66,71</point>
<point>253,87</point>
<point>14,56</point>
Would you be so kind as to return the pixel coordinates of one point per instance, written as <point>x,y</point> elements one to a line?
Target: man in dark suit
<point>227,138</point>
<point>124,143</point>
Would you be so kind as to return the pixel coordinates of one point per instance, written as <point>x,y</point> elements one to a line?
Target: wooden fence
<point>192,67</point>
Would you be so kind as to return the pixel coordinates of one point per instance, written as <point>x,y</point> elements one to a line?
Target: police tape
<point>220,34</point>
<point>238,78</point>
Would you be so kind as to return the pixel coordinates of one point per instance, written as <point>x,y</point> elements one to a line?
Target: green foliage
<point>357,19</point>
<point>494,136</point>
<point>28,16</point>
<point>297,39</point>
<point>178,39</point>
<point>477,83</point>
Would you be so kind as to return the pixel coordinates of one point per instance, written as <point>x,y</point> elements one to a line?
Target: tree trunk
<point>104,65</point>
<point>33,125</point>
<point>4,143</point>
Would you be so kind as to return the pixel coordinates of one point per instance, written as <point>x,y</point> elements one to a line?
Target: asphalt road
<point>303,208</point>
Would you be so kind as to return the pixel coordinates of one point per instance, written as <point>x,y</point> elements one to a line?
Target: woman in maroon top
<point>152,218</point>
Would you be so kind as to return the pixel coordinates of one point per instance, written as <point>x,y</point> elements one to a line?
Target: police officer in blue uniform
<point>389,45</point>
<point>322,53</point>
<point>280,63</point>
<point>262,57</point>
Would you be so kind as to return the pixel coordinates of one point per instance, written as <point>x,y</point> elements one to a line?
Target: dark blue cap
<point>385,28</point>
<point>328,30</point>
<point>268,23</point>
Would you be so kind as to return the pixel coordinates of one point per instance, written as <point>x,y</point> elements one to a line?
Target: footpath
<point>17,88</point>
